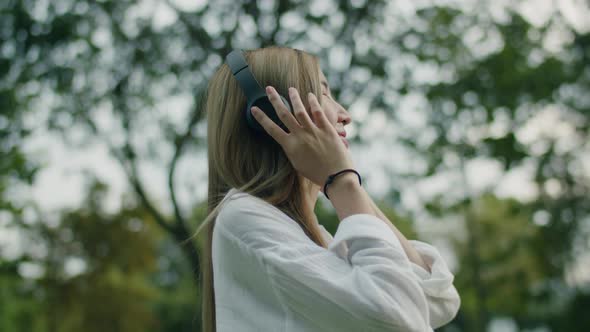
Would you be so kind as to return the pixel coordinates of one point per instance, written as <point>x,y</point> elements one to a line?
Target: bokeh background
<point>470,129</point>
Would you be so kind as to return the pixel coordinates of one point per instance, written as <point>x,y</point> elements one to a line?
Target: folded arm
<point>368,286</point>
<point>432,273</point>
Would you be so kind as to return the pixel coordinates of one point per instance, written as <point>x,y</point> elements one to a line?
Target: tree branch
<point>132,175</point>
<point>180,142</point>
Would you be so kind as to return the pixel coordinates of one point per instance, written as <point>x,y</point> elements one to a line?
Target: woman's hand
<point>313,147</point>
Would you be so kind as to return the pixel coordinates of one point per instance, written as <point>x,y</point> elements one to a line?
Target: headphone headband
<point>255,94</point>
<point>239,68</point>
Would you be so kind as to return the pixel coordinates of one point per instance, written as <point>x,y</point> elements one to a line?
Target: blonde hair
<point>254,164</point>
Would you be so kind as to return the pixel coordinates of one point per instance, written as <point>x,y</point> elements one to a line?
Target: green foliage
<point>19,302</point>
<point>96,272</point>
<point>91,57</point>
<point>504,236</point>
<point>328,218</point>
<point>510,266</point>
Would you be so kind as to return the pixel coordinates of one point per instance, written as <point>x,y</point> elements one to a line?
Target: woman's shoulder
<point>236,200</point>
<point>241,211</point>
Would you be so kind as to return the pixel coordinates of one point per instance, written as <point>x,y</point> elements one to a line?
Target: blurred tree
<point>114,58</point>
<point>89,271</point>
<point>18,301</point>
<point>506,87</point>
<point>329,219</point>
<point>509,264</point>
<point>109,67</point>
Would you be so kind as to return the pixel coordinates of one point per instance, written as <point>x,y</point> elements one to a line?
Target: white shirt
<point>269,276</point>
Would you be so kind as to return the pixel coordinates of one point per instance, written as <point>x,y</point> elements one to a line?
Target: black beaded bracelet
<point>333,176</point>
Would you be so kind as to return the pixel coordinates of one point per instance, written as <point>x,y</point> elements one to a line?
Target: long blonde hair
<point>253,163</point>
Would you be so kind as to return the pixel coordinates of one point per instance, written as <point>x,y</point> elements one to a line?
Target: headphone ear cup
<point>266,106</point>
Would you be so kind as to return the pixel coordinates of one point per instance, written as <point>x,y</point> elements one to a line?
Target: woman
<point>267,263</point>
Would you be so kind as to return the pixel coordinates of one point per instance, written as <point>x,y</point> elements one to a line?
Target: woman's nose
<point>343,115</point>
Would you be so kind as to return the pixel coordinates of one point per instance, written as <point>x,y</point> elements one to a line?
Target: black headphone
<point>255,94</point>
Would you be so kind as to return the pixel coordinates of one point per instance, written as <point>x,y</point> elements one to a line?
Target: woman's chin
<point>345,141</point>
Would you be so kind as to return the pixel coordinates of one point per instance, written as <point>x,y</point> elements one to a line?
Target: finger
<point>269,126</point>
<point>317,112</point>
<point>299,109</point>
<point>282,112</point>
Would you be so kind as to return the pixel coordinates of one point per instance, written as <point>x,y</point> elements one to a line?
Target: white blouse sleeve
<point>363,282</point>
<point>443,298</point>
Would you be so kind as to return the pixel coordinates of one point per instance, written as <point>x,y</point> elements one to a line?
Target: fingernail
<point>269,89</point>
<point>291,90</point>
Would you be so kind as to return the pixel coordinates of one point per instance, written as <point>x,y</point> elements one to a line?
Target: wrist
<point>342,182</point>
<point>348,196</point>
